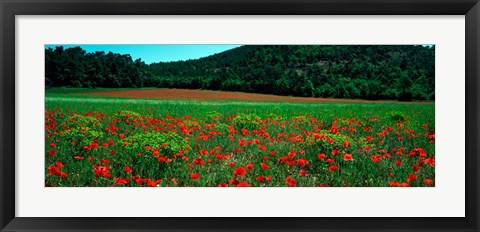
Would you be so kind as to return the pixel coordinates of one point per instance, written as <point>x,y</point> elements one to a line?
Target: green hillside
<point>342,71</point>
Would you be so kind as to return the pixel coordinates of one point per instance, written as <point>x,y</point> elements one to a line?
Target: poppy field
<point>102,141</point>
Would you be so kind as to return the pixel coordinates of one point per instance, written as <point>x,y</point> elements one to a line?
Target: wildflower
<point>195,176</point>
<point>240,172</point>
<point>242,184</point>
<point>302,172</point>
<point>428,181</point>
<point>411,178</point>
<point>348,157</point>
<point>264,166</point>
<point>321,156</point>
<point>291,182</point>
<point>376,158</point>
<point>332,168</point>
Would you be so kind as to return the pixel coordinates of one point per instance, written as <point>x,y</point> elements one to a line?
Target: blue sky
<point>156,53</point>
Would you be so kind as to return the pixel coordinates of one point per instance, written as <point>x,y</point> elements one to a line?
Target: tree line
<point>403,72</point>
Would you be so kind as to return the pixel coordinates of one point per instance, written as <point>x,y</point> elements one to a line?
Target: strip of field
<point>208,95</point>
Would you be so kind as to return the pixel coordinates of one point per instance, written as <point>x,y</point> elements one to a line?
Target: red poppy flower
<point>421,152</point>
<point>242,184</point>
<point>348,157</point>
<point>415,169</point>
<point>53,171</point>
<point>411,178</point>
<point>52,153</point>
<point>223,185</point>
<point>428,181</point>
<point>301,162</point>
<point>268,178</point>
<point>430,161</point>
<point>93,146</point>
<point>335,152</point>
<point>151,183</point>
<point>102,171</point>
<point>292,154</point>
<point>330,161</point>
<point>394,184</point>
<point>59,164</point>
<point>78,157</point>
<point>376,158</point>
<point>120,181</point>
<point>240,172</point>
<point>260,179</point>
<point>127,169</point>
<point>421,163</point>
<point>234,182</point>
<point>264,166</point>
<point>249,166</point>
<point>302,172</point>
<point>398,163</point>
<point>199,161</point>
<point>195,176</point>
<point>291,182</point>
<point>203,152</point>
<point>63,175</point>
<point>321,156</point>
<point>332,168</point>
<point>231,165</point>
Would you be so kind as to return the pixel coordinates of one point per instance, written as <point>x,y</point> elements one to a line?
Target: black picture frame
<point>11,8</point>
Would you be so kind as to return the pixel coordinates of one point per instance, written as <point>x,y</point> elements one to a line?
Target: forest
<point>374,72</point>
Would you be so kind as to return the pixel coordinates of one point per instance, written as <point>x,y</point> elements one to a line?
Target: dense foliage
<point>402,72</point>
<point>74,67</point>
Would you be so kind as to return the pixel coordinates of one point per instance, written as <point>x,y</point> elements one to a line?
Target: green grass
<point>263,121</point>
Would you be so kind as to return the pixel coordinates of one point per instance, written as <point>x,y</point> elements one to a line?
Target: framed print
<point>123,115</point>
